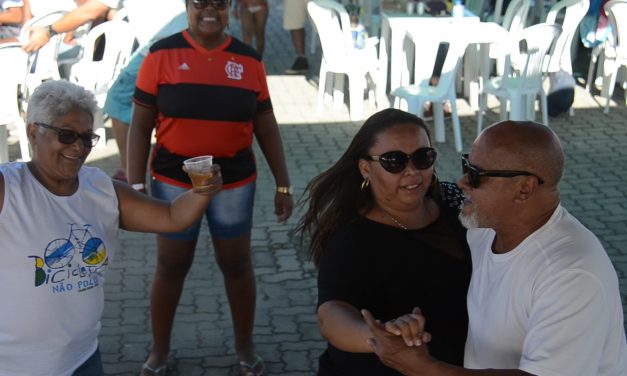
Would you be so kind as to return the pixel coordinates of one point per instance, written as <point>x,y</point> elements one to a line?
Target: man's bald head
<point>525,146</point>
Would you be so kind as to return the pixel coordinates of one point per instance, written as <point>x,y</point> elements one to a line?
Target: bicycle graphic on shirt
<point>60,252</point>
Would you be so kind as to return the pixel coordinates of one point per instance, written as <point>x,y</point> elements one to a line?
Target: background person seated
<point>11,17</point>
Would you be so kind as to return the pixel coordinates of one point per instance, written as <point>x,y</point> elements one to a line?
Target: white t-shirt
<point>55,252</point>
<point>152,20</point>
<point>43,7</point>
<point>549,307</point>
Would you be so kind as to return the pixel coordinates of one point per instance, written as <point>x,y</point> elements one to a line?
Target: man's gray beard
<point>469,221</point>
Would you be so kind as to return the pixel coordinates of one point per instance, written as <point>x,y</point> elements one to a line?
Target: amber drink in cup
<point>199,169</point>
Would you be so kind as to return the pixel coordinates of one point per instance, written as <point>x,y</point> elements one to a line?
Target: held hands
<point>206,185</point>
<point>410,327</point>
<point>395,342</point>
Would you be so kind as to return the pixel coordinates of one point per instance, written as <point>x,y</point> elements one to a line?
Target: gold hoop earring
<point>365,184</point>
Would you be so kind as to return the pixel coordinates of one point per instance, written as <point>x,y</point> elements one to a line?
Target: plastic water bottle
<point>360,35</point>
<point>458,9</point>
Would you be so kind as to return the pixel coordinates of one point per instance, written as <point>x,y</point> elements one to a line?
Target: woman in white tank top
<point>58,228</point>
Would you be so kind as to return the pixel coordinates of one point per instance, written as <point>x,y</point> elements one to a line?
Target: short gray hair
<point>53,99</point>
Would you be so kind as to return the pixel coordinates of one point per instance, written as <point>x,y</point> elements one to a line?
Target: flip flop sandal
<point>149,371</point>
<point>255,369</point>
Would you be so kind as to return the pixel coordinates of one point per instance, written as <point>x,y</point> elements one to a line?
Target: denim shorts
<point>119,102</point>
<point>91,367</point>
<point>229,214</point>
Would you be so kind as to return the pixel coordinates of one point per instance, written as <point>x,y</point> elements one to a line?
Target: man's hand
<point>38,37</point>
<point>393,351</point>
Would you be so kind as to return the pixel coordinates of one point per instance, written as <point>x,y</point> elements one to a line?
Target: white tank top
<point>54,252</point>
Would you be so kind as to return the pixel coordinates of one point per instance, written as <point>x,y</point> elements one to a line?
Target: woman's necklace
<point>396,221</point>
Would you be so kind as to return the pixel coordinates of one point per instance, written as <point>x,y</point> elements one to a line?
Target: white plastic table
<point>394,27</point>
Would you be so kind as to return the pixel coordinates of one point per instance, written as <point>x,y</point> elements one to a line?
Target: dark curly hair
<point>335,196</point>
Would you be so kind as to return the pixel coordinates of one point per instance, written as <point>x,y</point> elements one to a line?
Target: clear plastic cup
<point>199,169</point>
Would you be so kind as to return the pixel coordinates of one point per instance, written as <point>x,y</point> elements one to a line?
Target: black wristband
<point>50,31</point>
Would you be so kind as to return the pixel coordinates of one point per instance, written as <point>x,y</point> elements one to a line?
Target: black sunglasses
<point>396,161</point>
<point>68,137</point>
<point>217,4</point>
<point>475,173</point>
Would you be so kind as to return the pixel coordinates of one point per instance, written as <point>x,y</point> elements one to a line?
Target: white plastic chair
<point>574,11</point>
<point>514,21</point>
<point>497,15</point>
<point>515,15</point>
<point>615,54</point>
<point>595,66</point>
<point>12,74</point>
<point>121,15</point>
<point>97,76</point>
<point>42,65</point>
<point>339,56</point>
<point>539,40</point>
<point>416,95</point>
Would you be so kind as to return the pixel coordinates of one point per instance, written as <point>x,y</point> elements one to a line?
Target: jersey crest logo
<point>233,70</point>
<point>184,66</point>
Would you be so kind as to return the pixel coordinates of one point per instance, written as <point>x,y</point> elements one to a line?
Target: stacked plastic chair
<point>12,75</point>
<point>513,86</point>
<point>340,57</point>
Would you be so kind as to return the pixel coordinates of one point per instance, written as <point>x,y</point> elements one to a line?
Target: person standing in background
<point>294,17</point>
<point>253,15</point>
<point>206,93</point>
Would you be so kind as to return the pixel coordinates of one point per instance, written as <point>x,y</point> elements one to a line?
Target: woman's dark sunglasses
<point>217,4</point>
<point>68,137</point>
<point>396,161</point>
<point>475,173</point>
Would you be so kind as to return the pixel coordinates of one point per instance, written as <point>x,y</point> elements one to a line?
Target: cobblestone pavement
<point>594,190</point>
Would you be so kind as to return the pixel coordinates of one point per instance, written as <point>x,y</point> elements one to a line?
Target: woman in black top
<point>384,236</point>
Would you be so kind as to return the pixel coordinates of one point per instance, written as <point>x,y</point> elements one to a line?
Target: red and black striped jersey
<point>206,101</point>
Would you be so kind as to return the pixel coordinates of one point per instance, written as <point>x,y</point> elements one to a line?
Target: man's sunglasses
<point>396,161</point>
<point>475,173</point>
<point>217,4</point>
<point>68,137</point>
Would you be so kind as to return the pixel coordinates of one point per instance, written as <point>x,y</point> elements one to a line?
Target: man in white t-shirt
<point>150,22</point>
<point>544,296</point>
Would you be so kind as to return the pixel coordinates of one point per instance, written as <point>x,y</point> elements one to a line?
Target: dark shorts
<point>9,31</point>
<point>91,367</point>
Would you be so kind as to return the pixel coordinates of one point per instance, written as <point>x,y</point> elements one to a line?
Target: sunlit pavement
<point>594,189</point>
